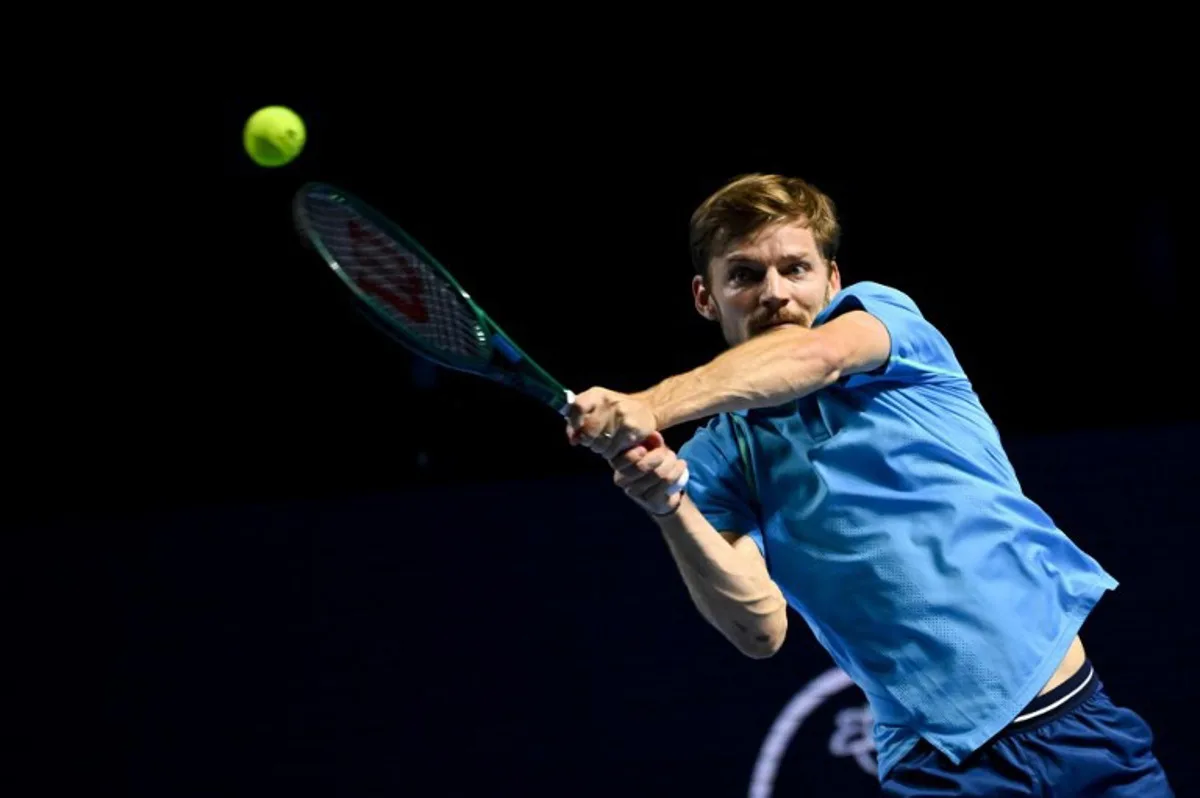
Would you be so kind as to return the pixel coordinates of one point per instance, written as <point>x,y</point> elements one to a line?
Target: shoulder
<point>916,350</point>
<point>871,297</point>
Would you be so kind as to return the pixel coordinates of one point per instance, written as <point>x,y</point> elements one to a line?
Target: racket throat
<point>506,349</point>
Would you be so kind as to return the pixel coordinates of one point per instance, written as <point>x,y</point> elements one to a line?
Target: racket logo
<point>398,283</point>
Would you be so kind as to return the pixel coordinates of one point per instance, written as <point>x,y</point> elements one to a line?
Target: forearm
<point>766,371</point>
<point>736,595</point>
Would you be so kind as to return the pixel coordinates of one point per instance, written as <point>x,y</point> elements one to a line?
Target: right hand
<point>646,471</point>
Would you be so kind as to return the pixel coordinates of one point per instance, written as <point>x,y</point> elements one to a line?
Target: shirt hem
<point>1036,681</point>
<point>885,767</point>
<point>1022,697</point>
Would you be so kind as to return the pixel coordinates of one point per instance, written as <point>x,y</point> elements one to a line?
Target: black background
<point>188,392</point>
<point>521,636</point>
<point>1048,233</point>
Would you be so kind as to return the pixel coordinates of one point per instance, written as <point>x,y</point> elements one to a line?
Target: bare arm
<point>771,369</point>
<point>723,571</point>
<point>727,578</point>
<point>765,371</point>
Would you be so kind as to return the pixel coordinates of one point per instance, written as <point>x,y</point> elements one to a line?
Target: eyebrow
<point>791,256</point>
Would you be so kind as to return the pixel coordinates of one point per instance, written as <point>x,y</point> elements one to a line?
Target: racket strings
<point>398,281</point>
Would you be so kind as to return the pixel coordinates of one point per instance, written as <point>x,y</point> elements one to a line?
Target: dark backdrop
<point>532,637</point>
<point>285,557</point>
<point>1049,236</point>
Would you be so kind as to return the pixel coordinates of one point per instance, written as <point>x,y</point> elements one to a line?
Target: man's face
<point>776,277</point>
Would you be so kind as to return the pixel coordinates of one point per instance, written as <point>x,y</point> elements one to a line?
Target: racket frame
<point>506,363</point>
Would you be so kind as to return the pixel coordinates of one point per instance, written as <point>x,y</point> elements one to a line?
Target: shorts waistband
<point>1078,688</point>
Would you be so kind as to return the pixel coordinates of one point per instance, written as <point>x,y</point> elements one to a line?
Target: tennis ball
<point>274,136</point>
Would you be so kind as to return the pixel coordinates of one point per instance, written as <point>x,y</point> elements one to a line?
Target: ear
<point>835,276</point>
<point>703,298</point>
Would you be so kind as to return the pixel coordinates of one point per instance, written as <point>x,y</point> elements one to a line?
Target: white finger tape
<point>679,484</point>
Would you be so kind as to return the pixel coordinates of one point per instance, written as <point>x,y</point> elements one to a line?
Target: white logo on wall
<point>851,734</point>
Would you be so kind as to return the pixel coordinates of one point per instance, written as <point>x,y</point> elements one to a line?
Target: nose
<point>774,295</point>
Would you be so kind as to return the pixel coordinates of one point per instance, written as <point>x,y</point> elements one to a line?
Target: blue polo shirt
<point>891,519</point>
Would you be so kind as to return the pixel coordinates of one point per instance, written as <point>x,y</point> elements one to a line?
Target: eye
<point>740,274</point>
<point>799,268</point>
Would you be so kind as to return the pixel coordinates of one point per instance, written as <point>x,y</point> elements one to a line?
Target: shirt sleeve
<point>919,352</point>
<point>717,483</point>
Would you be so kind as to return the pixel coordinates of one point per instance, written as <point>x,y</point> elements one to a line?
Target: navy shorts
<point>1072,741</point>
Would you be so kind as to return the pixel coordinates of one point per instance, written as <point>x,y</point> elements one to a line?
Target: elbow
<point>763,647</point>
<point>766,642</point>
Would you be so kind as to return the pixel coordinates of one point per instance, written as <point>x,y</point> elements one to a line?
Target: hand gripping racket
<point>414,300</point>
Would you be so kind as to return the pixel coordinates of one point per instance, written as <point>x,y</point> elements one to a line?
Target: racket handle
<point>676,486</point>
<point>565,410</point>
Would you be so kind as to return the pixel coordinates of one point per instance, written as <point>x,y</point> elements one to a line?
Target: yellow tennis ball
<point>274,136</point>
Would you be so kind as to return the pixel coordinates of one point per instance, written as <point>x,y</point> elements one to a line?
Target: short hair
<point>751,202</point>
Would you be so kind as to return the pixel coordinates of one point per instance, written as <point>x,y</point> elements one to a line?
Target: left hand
<point>648,473</point>
<point>608,422</point>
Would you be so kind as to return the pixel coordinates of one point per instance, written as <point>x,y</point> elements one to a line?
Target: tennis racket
<point>405,293</point>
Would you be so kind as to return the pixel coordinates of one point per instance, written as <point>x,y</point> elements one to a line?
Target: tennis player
<point>848,469</point>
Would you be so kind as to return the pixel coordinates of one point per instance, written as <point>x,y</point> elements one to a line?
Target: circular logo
<point>851,736</point>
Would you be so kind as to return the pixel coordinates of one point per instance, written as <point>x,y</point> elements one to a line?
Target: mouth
<point>770,325</point>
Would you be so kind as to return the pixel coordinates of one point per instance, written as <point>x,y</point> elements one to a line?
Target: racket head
<point>393,279</point>
<point>407,294</point>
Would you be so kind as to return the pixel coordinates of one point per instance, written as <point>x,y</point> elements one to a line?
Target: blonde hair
<point>751,202</point>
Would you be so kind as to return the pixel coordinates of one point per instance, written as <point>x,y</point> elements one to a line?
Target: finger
<point>654,441</point>
<point>646,474</point>
<point>630,471</point>
<point>665,477</point>
<point>606,439</point>
<point>647,463</point>
<point>601,428</point>
<point>582,405</point>
<point>627,458</point>
<point>623,440</point>
<point>659,494</point>
<point>644,464</point>
<point>591,431</point>
<point>583,430</point>
<point>670,470</point>
<point>639,486</point>
<point>619,442</point>
<point>579,436</point>
<point>665,474</point>
<point>599,444</point>
<point>587,427</point>
<point>673,474</point>
<point>636,484</point>
<point>679,482</point>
